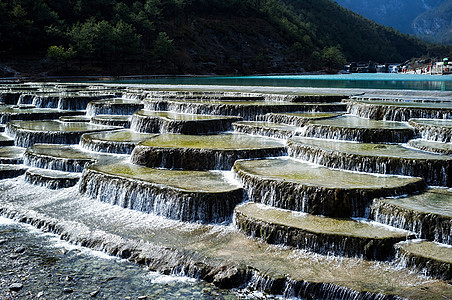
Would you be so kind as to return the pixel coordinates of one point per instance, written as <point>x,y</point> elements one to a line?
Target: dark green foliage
<point>164,46</point>
<point>333,58</point>
<point>202,36</point>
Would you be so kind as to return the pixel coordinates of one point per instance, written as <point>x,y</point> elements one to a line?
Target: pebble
<point>43,272</point>
<point>20,250</point>
<point>3,241</point>
<point>95,293</point>
<point>15,287</point>
<point>142,298</point>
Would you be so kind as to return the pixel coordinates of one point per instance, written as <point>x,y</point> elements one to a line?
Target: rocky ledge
<point>343,237</point>
<point>300,186</point>
<point>374,158</point>
<point>193,196</point>
<point>205,152</point>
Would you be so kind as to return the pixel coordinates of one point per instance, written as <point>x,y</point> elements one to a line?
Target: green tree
<point>333,58</point>
<point>60,54</point>
<point>163,46</point>
<point>82,38</point>
<point>126,41</point>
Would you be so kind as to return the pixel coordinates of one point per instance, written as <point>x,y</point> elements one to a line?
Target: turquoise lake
<point>352,81</point>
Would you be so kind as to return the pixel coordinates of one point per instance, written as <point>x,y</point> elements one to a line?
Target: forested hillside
<point>194,36</point>
<point>436,24</point>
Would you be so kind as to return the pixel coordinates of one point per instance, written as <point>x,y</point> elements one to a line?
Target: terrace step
<point>117,141</point>
<point>431,146</point>
<point>399,111</point>
<point>300,186</point>
<point>434,130</point>
<point>116,106</point>
<point>374,158</point>
<point>194,196</point>
<point>274,130</point>
<point>112,120</point>
<point>11,155</point>
<point>248,110</point>
<point>429,214</point>
<point>357,129</point>
<point>344,237</point>
<point>170,122</point>
<point>12,113</point>
<point>51,179</point>
<point>81,118</point>
<point>428,258</point>
<point>298,118</point>
<point>6,140</point>
<point>28,133</point>
<point>11,171</point>
<point>203,152</point>
<point>65,158</point>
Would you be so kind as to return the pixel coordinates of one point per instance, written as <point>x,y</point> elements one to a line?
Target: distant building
<point>441,67</point>
<point>394,69</point>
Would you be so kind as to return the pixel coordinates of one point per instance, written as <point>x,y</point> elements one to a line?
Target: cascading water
<point>173,203</point>
<point>218,253</point>
<point>387,112</point>
<point>435,170</point>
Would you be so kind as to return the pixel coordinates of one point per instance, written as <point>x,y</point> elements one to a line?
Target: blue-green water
<point>357,81</point>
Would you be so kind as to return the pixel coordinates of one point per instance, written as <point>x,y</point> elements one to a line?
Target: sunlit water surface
<point>353,81</point>
<point>49,268</point>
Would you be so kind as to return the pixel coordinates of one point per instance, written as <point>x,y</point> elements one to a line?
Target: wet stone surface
<point>38,266</point>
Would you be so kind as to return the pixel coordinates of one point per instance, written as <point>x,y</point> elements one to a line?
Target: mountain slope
<point>398,14</point>
<point>436,24</point>
<point>195,36</point>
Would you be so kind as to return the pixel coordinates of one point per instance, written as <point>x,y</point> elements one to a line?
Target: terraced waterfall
<point>313,196</point>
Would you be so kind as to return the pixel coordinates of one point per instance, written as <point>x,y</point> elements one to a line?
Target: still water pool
<point>352,81</point>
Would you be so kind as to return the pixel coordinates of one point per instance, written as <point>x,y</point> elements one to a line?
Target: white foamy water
<point>158,278</point>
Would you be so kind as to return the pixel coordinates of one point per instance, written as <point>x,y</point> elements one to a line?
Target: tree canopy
<point>201,36</point>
